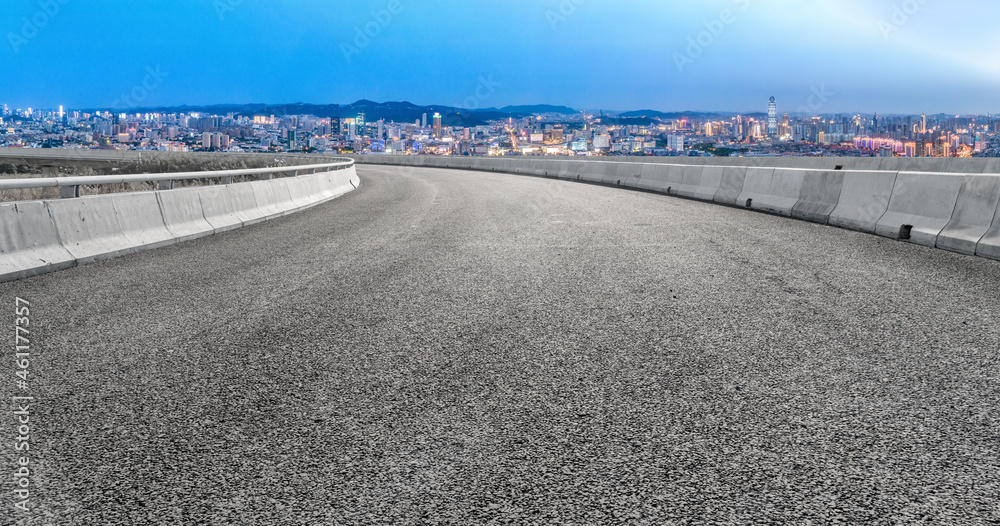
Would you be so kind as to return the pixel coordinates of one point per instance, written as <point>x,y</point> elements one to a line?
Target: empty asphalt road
<point>449,347</point>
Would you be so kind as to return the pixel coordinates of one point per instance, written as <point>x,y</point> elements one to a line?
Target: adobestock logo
<point>901,14</point>
<point>696,45</point>
<point>47,10</point>
<point>487,86</point>
<point>561,14</point>
<point>815,101</point>
<point>152,80</point>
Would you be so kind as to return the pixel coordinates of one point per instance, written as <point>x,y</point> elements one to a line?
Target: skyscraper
<point>437,125</point>
<point>424,121</point>
<point>772,118</point>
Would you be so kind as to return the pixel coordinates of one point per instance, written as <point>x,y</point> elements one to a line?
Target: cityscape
<point>366,127</point>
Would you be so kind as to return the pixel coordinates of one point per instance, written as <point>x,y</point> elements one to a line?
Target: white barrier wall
<point>932,207</point>
<point>921,205</point>
<point>819,196</point>
<point>974,213</point>
<point>29,241</point>
<point>43,236</point>
<point>864,198</point>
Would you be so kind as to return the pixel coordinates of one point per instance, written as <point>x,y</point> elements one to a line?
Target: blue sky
<point>901,56</point>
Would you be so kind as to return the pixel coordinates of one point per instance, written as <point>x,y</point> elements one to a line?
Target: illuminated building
<point>772,118</point>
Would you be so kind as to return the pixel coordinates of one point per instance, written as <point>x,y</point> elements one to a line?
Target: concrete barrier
<point>930,207</point>
<point>575,170</point>
<point>731,185</point>
<point>324,185</point>
<point>711,181</point>
<point>29,243</point>
<point>563,170</point>
<point>597,172</point>
<point>974,213</point>
<point>271,199</point>
<point>89,227</point>
<point>989,245</point>
<point>300,190</point>
<point>864,199</point>
<point>536,167</point>
<point>344,181</point>
<point>628,175</point>
<point>819,196</point>
<point>783,188</point>
<point>44,236</point>
<point>921,206</point>
<point>654,177</point>
<point>229,207</point>
<point>243,201</point>
<point>492,164</point>
<point>288,190</point>
<point>183,214</point>
<point>143,230</point>
<point>620,173</point>
<point>755,187</point>
<point>690,181</point>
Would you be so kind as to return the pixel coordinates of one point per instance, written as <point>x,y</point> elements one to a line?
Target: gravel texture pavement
<point>449,347</point>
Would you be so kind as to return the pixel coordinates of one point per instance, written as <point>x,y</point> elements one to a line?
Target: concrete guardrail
<point>914,200</point>
<point>54,234</point>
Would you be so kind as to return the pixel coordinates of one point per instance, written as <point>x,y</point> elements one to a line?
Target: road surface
<point>450,347</point>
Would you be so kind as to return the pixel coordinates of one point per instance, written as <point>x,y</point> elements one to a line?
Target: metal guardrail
<point>67,157</point>
<point>69,187</point>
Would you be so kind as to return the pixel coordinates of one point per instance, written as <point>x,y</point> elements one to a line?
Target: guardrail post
<point>227,179</point>
<point>69,192</point>
<point>266,177</point>
<point>165,185</point>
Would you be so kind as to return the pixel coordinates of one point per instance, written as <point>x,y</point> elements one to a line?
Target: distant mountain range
<point>408,112</point>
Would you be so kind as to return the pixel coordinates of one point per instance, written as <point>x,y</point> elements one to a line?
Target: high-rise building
<point>381,129</point>
<point>675,142</point>
<point>772,118</point>
<point>424,121</point>
<point>437,125</point>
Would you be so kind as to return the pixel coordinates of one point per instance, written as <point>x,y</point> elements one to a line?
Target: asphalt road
<point>447,347</point>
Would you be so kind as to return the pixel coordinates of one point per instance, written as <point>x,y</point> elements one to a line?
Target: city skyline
<point>763,109</point>
<point>890,57</point>
<point>368,127</point>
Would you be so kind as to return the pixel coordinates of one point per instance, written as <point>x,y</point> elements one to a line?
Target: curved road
<point>468,348</point>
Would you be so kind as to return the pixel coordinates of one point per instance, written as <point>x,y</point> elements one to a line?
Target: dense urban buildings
<point>564,132</point>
